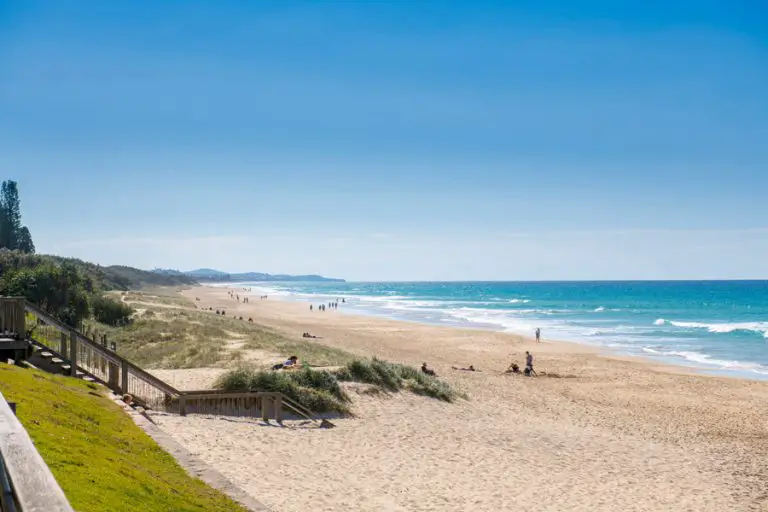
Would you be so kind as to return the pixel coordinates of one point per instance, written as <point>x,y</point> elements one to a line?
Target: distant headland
<point>209,274</point>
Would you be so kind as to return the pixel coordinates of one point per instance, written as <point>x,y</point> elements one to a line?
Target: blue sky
<point>393,140</point>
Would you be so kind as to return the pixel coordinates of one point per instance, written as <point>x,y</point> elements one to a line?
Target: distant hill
<point>209,274</point>
<point>120,277</point>
<point>114,277</point>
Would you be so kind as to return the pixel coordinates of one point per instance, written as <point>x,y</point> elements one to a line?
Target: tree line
<point>68,289</point>
<point>13,235</point>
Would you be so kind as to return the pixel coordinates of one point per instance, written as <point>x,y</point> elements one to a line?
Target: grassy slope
<point>100,457</point>
<point>170,333</point>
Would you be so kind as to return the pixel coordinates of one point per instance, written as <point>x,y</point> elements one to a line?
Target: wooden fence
<point>87,355</point>
<point>84,355</point>
<point>27,483</point>
<point>12,321</point>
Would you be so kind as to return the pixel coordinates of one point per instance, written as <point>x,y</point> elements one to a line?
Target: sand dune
<point>609,434</point>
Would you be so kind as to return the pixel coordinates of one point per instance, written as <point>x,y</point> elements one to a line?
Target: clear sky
<point>393,140</point>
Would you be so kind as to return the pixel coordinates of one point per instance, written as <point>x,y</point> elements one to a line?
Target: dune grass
<point>321,392</point>
<point>101,459</point>
<point>396,377</point>
<point>177,337</point>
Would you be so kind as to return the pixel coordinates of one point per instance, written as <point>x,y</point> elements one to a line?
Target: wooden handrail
<point>217,394</point>
<point>106,353</point>
<point>184,397</point>
<point>33,486</point>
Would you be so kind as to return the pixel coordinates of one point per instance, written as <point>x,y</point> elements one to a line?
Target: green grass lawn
<point>102,460</point>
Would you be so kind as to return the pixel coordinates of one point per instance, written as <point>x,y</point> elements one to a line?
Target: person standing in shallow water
<point>538,335</point>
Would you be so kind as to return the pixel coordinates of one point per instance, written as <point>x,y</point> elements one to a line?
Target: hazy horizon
<point>393,141</point>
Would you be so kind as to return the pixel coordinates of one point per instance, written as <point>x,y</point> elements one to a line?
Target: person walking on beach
<point>538,335</point>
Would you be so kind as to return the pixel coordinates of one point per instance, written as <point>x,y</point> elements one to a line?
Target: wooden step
<point>66,367</point>
<point>56,360</point>
<point>89,379</point>
<point>46,355</point>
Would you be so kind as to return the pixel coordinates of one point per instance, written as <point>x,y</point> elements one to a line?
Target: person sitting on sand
<point>426,370</point>
<point>290,364</point>
<point>513,368</point>
<point>470,369</point>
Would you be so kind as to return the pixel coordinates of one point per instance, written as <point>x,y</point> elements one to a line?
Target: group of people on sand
<point>246,299</point>
<point>529,371</point>
<point>307,335</point>
<point>323,307</point>
<point>513,367</point>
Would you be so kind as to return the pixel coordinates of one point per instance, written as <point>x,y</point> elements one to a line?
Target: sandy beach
<point>592,432</point>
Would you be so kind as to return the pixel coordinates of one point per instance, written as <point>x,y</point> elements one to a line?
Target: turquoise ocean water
<point>719,326</point>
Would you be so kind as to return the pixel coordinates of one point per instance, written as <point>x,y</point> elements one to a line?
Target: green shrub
<point>319,391</point>
<point>111,312</point>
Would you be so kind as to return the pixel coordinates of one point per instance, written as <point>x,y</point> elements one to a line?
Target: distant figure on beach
<point>513,368</point>
<point>469,369</point>
<point>307,335</point>
<point>428,371</point>
<point>310,307</point>
<point>538,335</point>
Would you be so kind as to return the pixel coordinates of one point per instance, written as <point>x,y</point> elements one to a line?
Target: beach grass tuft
<point>321,391</point>
<point>318,391</point>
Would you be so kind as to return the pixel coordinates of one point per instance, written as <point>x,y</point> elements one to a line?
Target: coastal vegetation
<point>69,289</point>
<point>321,390</point>
<point>13,235</point>
<point>101,459</point>
<point>167,331</point>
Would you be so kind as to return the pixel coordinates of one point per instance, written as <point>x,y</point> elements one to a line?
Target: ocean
<point>715,326</point>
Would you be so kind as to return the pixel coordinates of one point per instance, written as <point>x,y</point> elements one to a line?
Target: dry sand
<point>608,434</point>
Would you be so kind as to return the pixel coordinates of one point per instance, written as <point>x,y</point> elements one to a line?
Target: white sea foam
<point>704,359</point>
<point>500,318</point>
<point>519,301</point>
<point>719,328</point>
<point>600,309</point>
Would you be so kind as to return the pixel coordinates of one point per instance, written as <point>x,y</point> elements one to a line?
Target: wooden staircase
<point>54,347</point>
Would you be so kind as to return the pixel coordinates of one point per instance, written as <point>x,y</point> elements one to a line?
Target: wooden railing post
<point>124,376</point>
<point>264,412</point>
<point>112,377</point>
<point>21,318</point>
<point>73,353</point>
<point>63,347</point>
<point>183,405</point>
<point>278,404</point>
